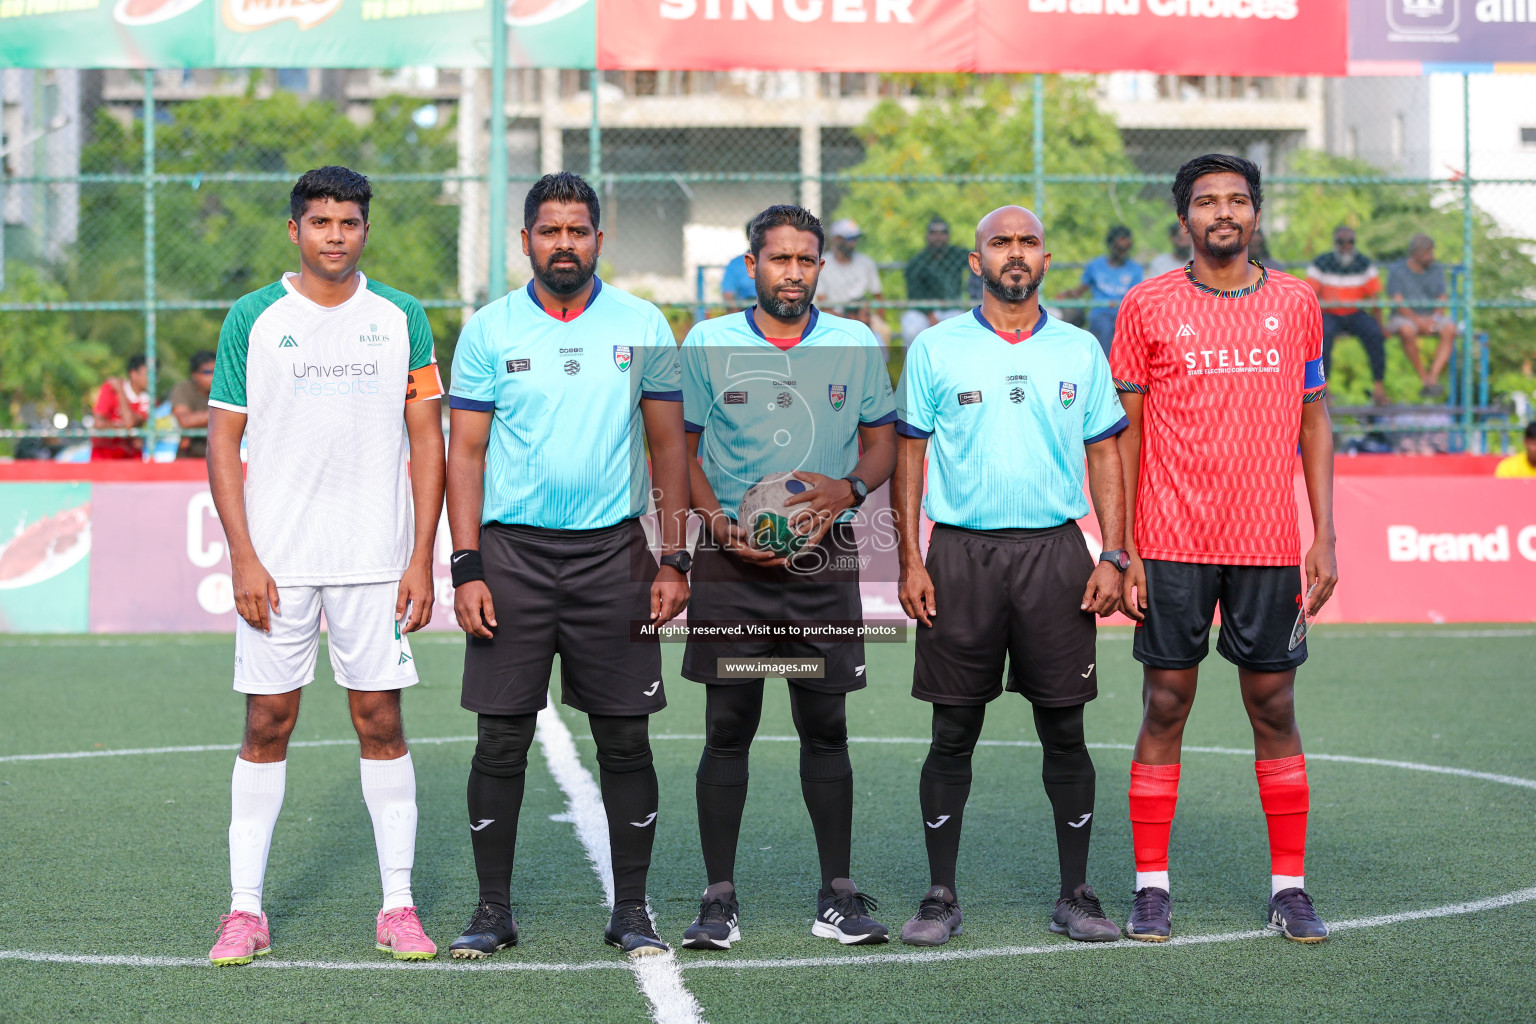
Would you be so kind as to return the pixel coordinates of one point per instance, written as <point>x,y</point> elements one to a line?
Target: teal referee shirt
<point>767,410</point>
<point>567,446</point>
<point>1006,418</point>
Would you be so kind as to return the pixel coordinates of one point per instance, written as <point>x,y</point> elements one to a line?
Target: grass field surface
<point>1423,776</point>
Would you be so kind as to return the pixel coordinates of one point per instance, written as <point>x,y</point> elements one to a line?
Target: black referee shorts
<point>571,593</point>
<point>1014,594</point>
<point>726,589</point>
<point>1258,608</point>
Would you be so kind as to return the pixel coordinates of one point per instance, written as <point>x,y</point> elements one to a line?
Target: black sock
<point>826,776</point>
<point>628,781</point>
<point>1068,773</point>
<point>496,780</point>
<point>826,782</point>
<point>721,791</point>
<point>945,785</point>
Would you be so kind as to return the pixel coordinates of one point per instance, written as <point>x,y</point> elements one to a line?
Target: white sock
<point>255,798</point>
<point>389,789</point>
<point>1278,882</point>
<point>1153,879</point>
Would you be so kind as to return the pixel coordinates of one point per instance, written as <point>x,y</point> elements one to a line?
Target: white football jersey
<point>327,492</point>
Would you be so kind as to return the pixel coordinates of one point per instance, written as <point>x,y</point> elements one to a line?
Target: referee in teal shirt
<point>1005,402</point>
<point>556,390</point>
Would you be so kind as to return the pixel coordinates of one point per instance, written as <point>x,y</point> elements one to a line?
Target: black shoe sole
<point>466,953</point>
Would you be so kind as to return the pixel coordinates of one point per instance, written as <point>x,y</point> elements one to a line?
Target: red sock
<point>1154,793</point>
<point>1285,796</point>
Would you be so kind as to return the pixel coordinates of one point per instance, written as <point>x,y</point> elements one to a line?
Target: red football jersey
<point>1225,375</point>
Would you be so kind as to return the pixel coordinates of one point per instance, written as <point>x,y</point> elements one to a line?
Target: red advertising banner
<point>1174,37</point>
<point>1197,37</point>
<point>799,35</point>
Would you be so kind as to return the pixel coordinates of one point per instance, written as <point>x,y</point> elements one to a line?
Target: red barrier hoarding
<point>1205,37</point>
<point>1172,37</point>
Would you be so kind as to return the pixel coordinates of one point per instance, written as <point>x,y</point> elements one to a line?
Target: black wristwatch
<point>682,561</point>
<point>860,489</point>
<point>1119,558</point>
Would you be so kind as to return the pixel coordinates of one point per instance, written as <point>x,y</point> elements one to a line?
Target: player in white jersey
<point>332,381</point>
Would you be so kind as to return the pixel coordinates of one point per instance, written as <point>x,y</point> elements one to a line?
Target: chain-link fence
<point>137,207</point>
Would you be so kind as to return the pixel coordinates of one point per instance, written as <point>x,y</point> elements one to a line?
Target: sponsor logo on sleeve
<point>519,365</point>
<point>735,398</point>
<point>970,398</point>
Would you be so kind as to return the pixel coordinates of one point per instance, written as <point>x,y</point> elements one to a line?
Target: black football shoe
<point>630,929</point>
<point>1082,918</point>
<point>1292,915</point>
<point>490,930</point>
<point>1151,917</point>
<point>717,925</point>
<point>842,913</point>
<point>937,919</point>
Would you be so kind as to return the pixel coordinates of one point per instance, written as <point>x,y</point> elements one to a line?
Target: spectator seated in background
<point>936,275</point>
<point>849,279</point>
<point>737,289</point>
<point>1107,278</point>
<point>1418,285</point>
<point>1523,464</point>
<point>122,404</point>
<point>1346,276</point>
<point>189,404</point>
<point>1179,252</point>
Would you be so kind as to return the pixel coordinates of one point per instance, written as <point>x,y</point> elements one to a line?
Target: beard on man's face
<point>781,309</point>
<point>1011,292</point>
<point>565,280</point>
<point>1234,244</point>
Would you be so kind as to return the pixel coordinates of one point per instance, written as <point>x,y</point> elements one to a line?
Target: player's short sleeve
<point>424,381</point>
<point>698,394</point>
<point>661,375</point>
<point>878,405</point>
<point>1314,382</point>
<point>1129,356</point>
<point>1103,416</point>
<point>474,368</point>
<point>228,390</point>
<point>915,413</point>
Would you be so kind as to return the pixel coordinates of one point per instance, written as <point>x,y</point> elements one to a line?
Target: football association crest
<point>1068,394</point>
<point>622,356</point>
<point>837,394</point>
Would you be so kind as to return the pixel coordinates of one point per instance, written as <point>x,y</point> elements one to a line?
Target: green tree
<point>1385,217</point>
<point>982,126</point>
<point>43,369</point>
<point>219,240</point>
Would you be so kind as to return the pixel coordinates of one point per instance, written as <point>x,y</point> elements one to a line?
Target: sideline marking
<point>853,960</point>
<point>658,976</point>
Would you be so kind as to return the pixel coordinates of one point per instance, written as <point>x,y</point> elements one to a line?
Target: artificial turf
<point>126,855</point>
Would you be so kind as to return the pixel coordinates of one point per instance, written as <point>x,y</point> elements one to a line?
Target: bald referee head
<point>1010,254</point>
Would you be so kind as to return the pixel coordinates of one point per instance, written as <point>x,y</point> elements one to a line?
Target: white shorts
<point>368,651</point>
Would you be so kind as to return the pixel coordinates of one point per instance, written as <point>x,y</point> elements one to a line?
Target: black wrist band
<point>466,567</point>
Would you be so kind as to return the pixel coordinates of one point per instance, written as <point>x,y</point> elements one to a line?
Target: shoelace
<point>635,919</point>
<point>1151,904</point>
<point>1087,904</point>
<point>1298,906</point>
<point>238,919</point>
<point>934,909</point>
<point>486,918</point>
<point>855,904</point>
<point>404,923</point>
<point>714,909</point>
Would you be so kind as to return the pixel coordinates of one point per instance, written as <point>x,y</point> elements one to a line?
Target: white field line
<point>658,976</point>
<point>1509,899</point>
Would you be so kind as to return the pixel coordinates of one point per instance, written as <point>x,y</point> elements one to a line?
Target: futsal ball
<point>768,518</point>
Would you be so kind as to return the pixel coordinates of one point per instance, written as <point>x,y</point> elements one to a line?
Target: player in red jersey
<point>1219,366</point>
